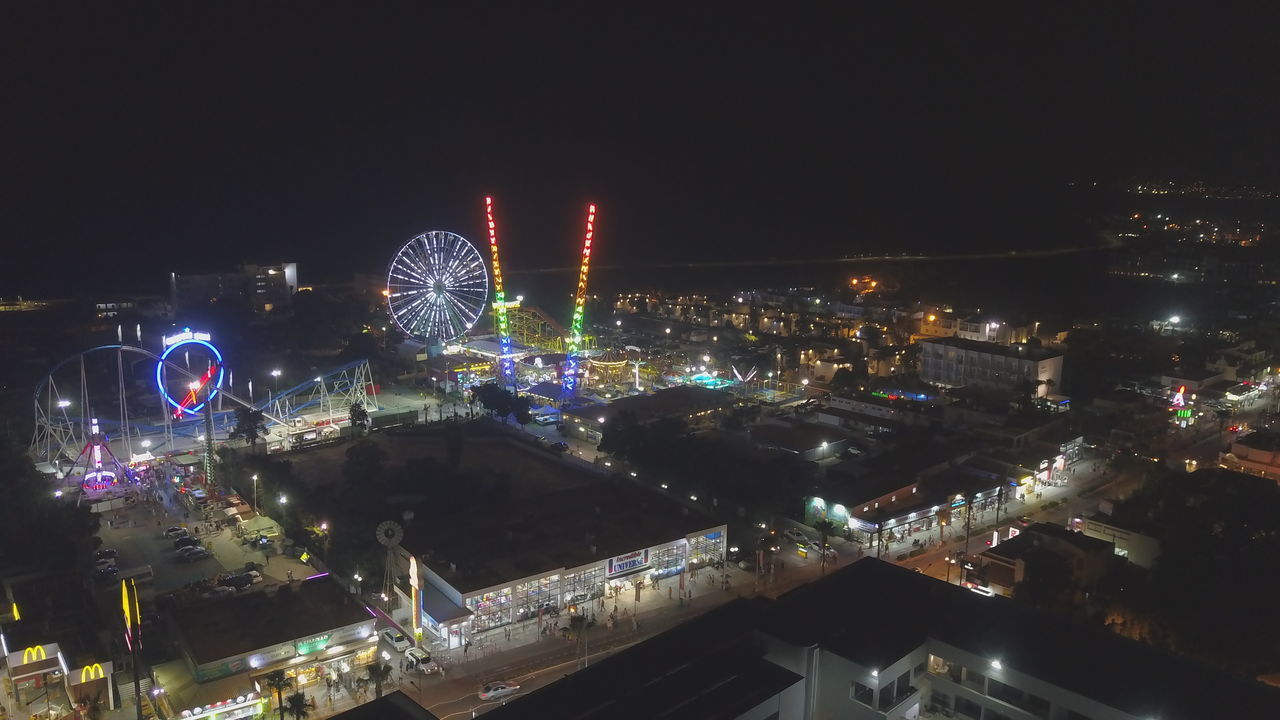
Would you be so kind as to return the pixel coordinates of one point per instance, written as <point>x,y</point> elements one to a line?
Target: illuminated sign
<point>313,644</point>
<point>1014,532</point>
<point>242,706</point>
<point>628,562</point>
<point>1179,399</point>
<point>91,672</point>
<point>210,383</point>
<point>33,654</point>
<point>16,615</point>
<point>186,336</point>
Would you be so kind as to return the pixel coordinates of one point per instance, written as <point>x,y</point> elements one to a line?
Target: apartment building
<point>955,362</point>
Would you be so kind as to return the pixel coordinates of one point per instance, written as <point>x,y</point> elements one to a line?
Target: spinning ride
<point>437,286</point>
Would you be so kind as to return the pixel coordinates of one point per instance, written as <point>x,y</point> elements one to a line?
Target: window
<point>862,693</point>
<point>975,680</point>
<point>967,708</point>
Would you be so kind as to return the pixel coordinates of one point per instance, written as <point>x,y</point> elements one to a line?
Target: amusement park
<point>102,414</point>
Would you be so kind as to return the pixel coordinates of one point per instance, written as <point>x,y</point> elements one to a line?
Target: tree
<point>520,408</point>
<point>844,379</point>
<point>250,425</point>
<point>276,681</point>
<point>358,416</point>
<point>91,707</point>
<point>378,673</point>
<point>825,529</point>
<point>296,705</point>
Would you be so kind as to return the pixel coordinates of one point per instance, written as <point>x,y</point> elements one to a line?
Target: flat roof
<point>873,612</point>
<point>393,706</point>
<point>1017,350</point>
<point>1260,440</point>
<point>669,402</point>
<point>223,628</point>
<point>707,668</point>
<point>798,438</point>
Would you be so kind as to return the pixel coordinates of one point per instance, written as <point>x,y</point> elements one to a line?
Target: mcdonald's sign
<point>33,654</point>
<point>91,672</point>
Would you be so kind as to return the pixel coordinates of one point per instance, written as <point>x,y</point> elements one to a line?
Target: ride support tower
<point>570,380</point>
<point>503,325</point>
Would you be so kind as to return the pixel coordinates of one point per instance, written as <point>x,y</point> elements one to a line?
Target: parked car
<point>187,541</point>
<point>396,639</point>
<point>238,582</point>
<point>106,554</point>
<point>105,574</point>
<point>417,655</point>
<point>176,532</point>
<point>104,564</point>
<point>561,447</point>
<point>796,536</point>
<point>198,553</point>
<point>495,690</point>
<point>254,576</point>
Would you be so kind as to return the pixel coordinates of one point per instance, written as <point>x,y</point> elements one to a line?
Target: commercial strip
<point>310,629</point>
<point>874,640</point>
<point>556,551</point>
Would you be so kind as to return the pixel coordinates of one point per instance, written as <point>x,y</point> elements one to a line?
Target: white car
<point>254,575</point>
<point>396,639</point>
<point>417,655</point>
<point>495,690</point>
<point>796,536</point>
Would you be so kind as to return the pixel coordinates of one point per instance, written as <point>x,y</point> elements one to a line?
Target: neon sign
<point>191,403</point>
<point>1179,399</point>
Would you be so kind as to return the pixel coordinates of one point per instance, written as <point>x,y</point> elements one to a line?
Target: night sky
<point>143,138</point>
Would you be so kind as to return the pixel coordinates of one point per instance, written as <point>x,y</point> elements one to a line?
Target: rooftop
<point>225,628</point>
<point>706,669</point>
<point>394,706</point>
<point>796,438</point>
<point>1261,440</point>
<point>1032,541</point>
<point>678,401</point>
<point>910,607</point>
<point>1017,350</point>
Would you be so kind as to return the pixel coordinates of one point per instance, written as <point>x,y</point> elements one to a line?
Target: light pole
<point>255,493</point>
<point>275,384</point>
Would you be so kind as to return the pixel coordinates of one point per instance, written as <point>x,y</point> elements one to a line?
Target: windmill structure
<point>390,534</point>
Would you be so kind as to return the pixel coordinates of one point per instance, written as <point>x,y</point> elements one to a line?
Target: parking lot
<point>137,534</point>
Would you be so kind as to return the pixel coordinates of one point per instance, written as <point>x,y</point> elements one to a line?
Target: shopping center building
<point>551,551</point>
<point>310,629</point>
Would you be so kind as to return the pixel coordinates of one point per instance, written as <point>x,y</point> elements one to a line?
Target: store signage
<point>185,336</point>
<point>91,672</point>
<point>313,644</point>
<point>226,708</point>
<point>628,562</point>
<point>33,654</point>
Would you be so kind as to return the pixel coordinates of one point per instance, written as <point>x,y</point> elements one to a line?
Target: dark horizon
<point>161,138</point>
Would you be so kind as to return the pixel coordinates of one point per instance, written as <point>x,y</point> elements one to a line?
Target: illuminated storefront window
<point>536,594</point>
<point>490,610</point>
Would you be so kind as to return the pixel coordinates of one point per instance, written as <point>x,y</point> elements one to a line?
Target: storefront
<point>532,597</point>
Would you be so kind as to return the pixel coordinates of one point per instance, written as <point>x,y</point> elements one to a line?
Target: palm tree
<point>250,425</point>
<point>378,674</point>
<point>825,529</point>
<point>278,682</point>
<point>91,708</point>
<point>297,706</point>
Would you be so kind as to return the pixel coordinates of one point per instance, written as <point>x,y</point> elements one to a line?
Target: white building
<point>954,362</point>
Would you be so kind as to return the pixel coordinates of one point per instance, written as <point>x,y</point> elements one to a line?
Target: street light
<point>255,492</point>
<point>1175,319</point>
<point>284,500</point>
<point>146,443</point>
<point>275,381</point>
<point>64,403</point>
<point>668,331</point>
<point>618,323</point>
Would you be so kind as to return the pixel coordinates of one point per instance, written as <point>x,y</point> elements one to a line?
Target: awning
<point>186,459</point>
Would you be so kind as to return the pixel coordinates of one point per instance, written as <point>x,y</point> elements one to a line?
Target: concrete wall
<point>1141,550</point>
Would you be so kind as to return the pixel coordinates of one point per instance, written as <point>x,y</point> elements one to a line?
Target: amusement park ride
<point>435,288</point>
<point>191,380</point>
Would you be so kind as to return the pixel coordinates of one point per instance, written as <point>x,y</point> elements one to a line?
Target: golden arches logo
<point>91,672</point>
<point>33,653</point>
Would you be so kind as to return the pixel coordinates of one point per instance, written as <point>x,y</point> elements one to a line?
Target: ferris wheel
<point>437,286</point>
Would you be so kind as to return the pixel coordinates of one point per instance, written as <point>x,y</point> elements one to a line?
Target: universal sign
<point>186,336</point>
<point>628,562</point>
